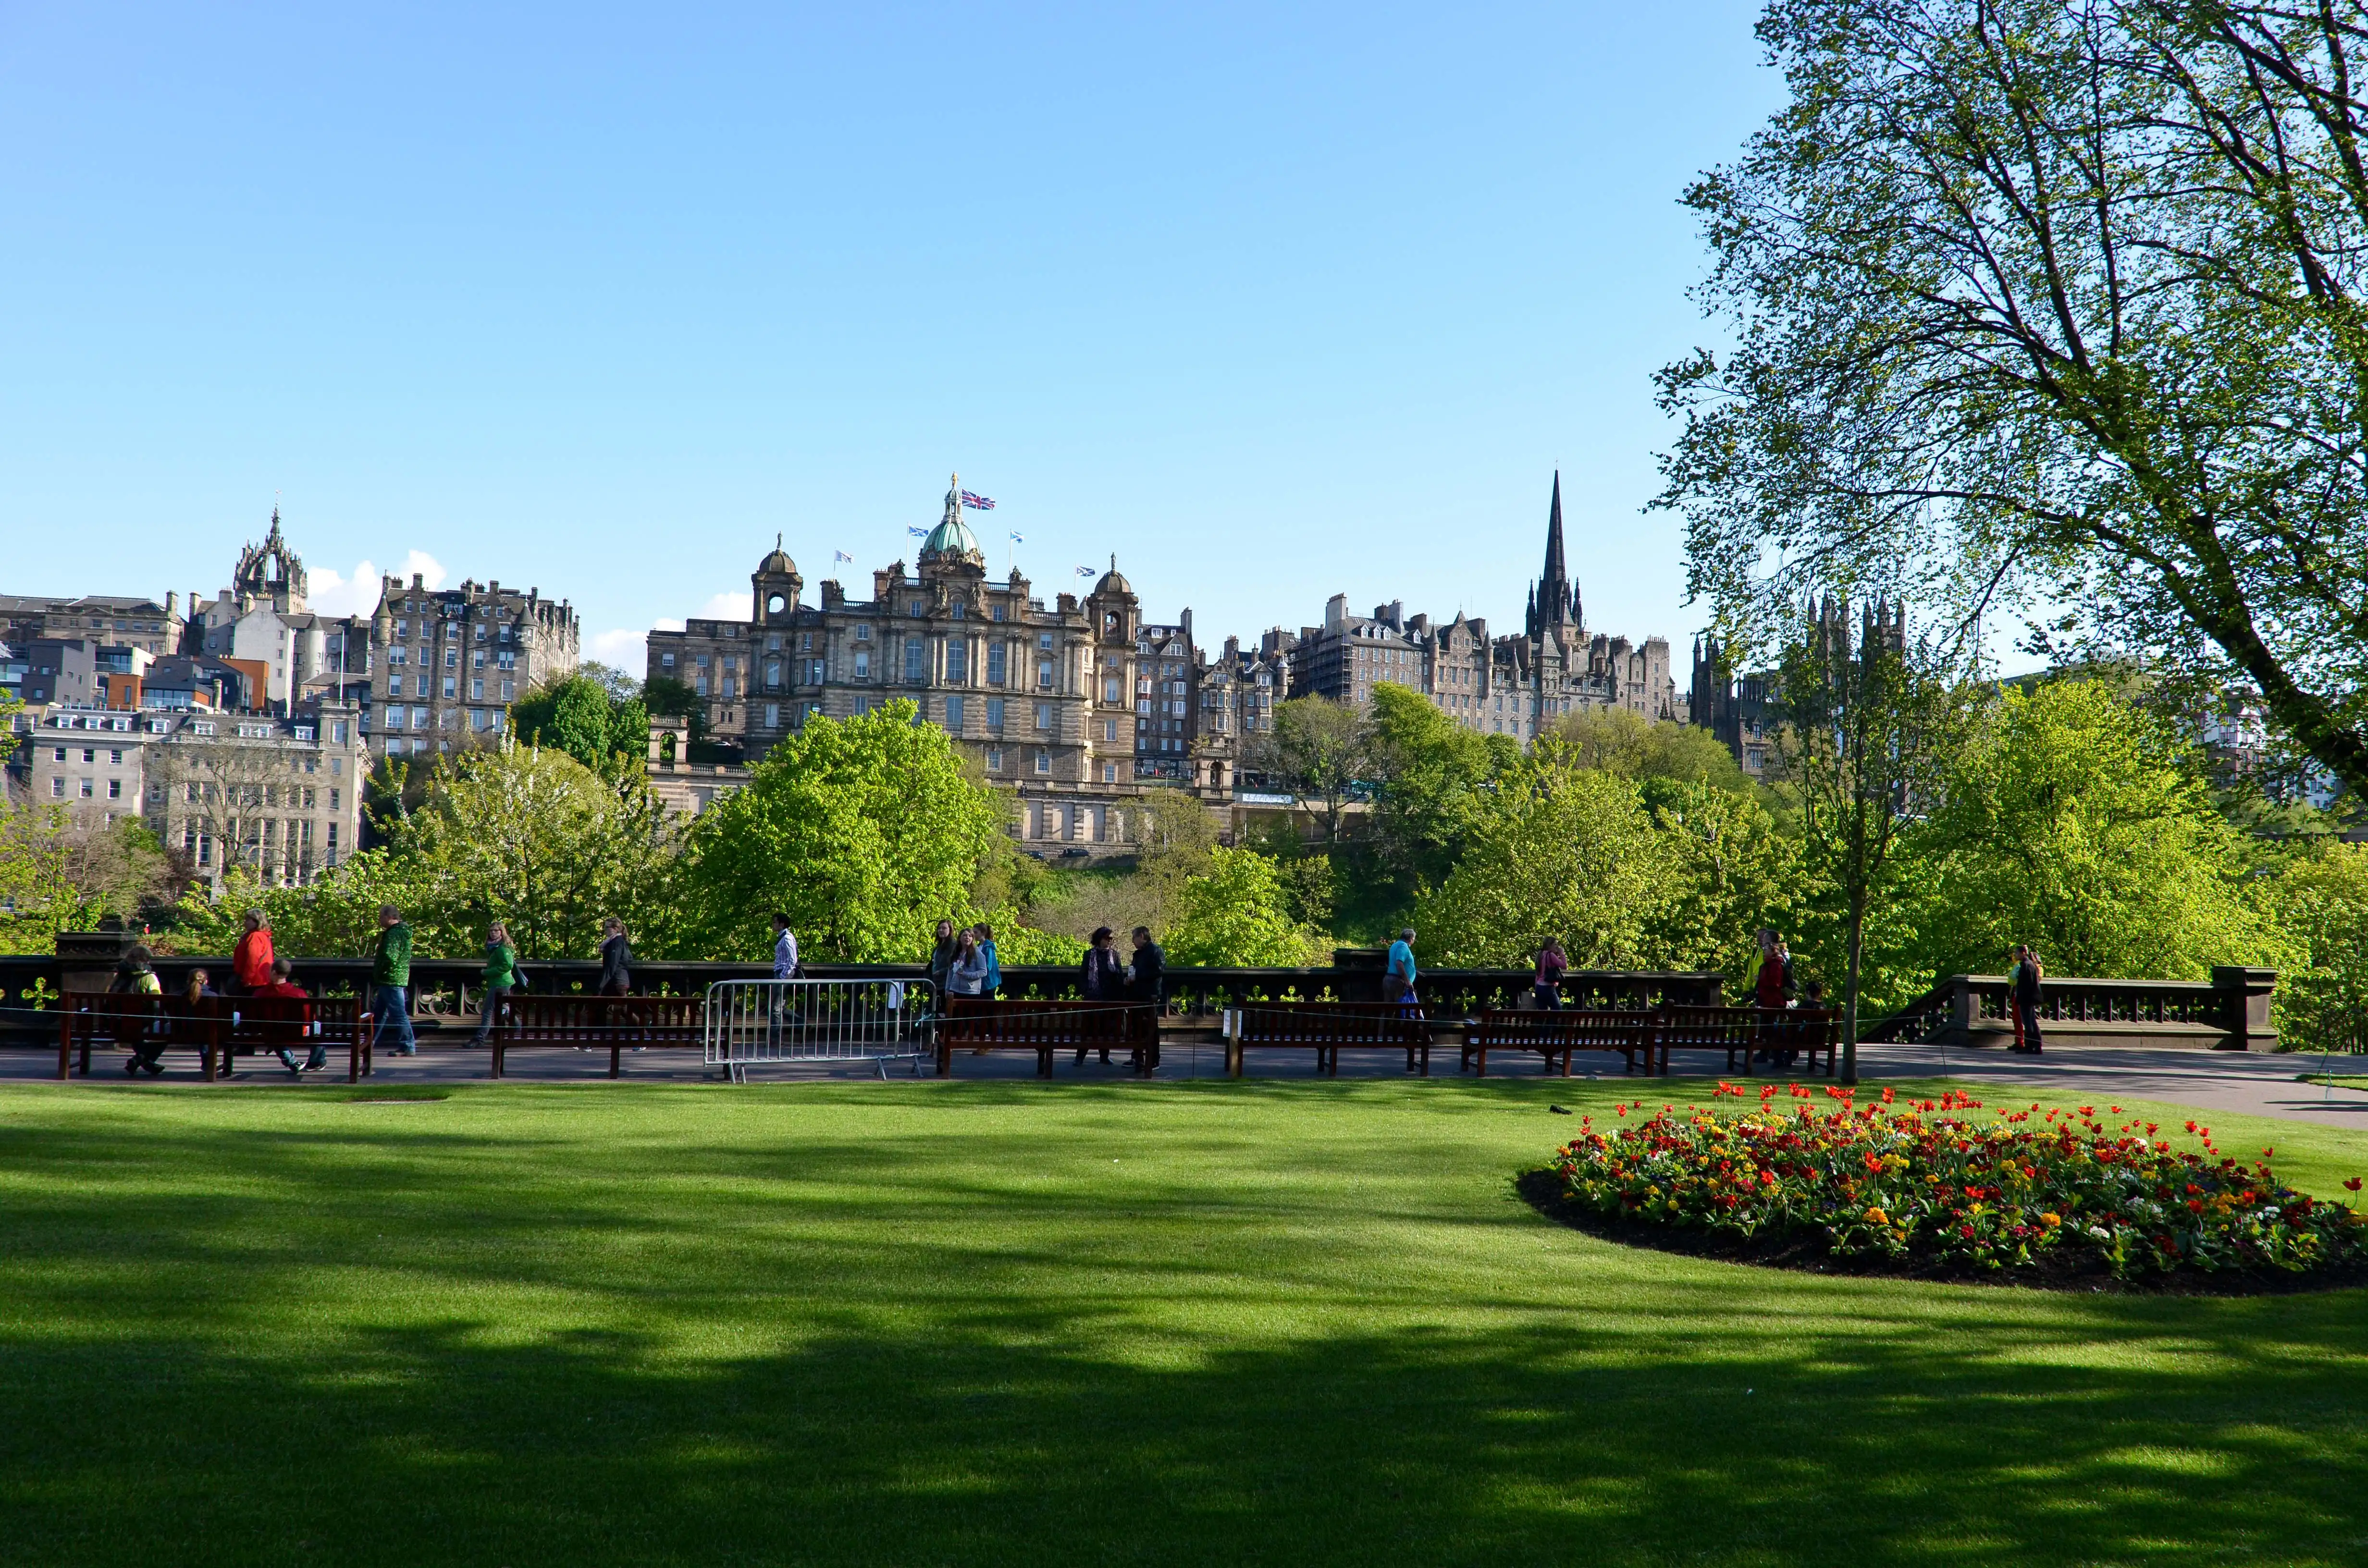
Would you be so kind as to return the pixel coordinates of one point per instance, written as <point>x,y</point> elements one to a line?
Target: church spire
<point>1553,603</point>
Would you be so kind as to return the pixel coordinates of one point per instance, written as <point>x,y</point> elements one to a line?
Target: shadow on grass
<point>427,1445</point>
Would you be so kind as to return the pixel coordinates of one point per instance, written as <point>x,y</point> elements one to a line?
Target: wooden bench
<point>1327,1027</point>
<point>589,1023</point>
<point>1554,1034</point>
<point>987,1023</point>
<point>1740,1032</point>
<point>260,1025</point>
<point>136,1022</point>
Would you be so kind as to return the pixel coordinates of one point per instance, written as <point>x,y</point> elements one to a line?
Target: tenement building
<point>277,797</point>
<point>1507,685</point>
<point>1235,693</point>
<point>1167,701</point>
<point>455,658</point>
<point>1061,698</point>
<point>100,619</point>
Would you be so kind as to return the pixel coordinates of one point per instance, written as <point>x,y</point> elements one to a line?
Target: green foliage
<point>513,833</point>
<point>63,871</point>
<point>1433,773</point>
<point>1556,849</point>
<point>2077,822</point>
<point>1238,916</point>
<point>1724,872</point>
<point>1622,741</point>
<point>1319,749</point>
<point>865,831</point>
<point>581,715</point>
<point>2322,998</point>
<point>2036,303</point>
<point>676,699</point>
<point>1016,944</point>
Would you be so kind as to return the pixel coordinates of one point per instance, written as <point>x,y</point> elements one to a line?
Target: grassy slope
<point>1000,1323</point>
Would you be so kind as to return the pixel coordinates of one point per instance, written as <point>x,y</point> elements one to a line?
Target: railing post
<point>2242,995</point>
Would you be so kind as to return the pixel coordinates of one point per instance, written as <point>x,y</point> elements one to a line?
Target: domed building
<point>1047,695</point>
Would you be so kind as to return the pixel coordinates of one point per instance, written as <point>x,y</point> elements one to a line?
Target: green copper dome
<point>951,536</point>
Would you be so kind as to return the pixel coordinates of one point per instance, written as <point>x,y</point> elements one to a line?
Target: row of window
<point>451,687</point>
<point>484,720</point>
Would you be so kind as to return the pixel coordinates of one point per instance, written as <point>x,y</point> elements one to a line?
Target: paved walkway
<point>2259,1085</point>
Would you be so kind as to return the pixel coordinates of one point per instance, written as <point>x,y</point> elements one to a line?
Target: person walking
<point>250,962</point>
<point>967,976</point>
<point>1146,986</point>
<point>1399,970</point>
<point>616,959</point>
<point>2027,976</point>
<point>391,983</point>
<point>1103,980</point>
<point>785,947</point>
<point>135,975</point>
<point>1545,988</point>
<point>500,978</point>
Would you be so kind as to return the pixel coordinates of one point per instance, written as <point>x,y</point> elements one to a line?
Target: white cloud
<point>665,623</point>
<point>623,649</point>
<point>329,593</point>
<point>730,604</point>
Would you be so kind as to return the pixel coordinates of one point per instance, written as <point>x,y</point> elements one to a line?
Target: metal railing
<point>755,1023</point>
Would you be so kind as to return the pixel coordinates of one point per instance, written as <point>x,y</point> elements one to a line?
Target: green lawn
<point>1007,1322</point>
<point>2341,1080</point>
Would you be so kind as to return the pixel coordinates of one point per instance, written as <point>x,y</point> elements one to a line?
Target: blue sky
<point>1271,302</point>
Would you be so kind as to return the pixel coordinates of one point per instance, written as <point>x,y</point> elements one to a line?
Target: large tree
<point>1555,849</point>
<point>866,832</point>
<point>2055,307</point>
<point>1321,750</point>
<point>590,714</point>
<point>2080,822</point>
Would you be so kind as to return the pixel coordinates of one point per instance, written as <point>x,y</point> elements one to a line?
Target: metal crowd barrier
<point>752,1023</point>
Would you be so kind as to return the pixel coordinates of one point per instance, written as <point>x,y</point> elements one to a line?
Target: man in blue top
<point>1397,975</point>
<point>785,949</point>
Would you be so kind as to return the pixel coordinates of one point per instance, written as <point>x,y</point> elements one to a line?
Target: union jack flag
<point>977,503</point>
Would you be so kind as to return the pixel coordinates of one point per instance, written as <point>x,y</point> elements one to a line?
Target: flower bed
<point>1944,1184</point>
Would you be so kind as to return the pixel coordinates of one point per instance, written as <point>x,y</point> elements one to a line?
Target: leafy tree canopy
<point>586,718</point>
<point>1238,916</point>
<point>2052,308</point>
<point>865,831</point>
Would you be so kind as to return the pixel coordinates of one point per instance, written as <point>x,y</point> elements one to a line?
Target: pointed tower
<point>1553,602</point>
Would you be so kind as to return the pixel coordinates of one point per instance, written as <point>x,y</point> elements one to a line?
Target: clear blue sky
<point>1272,302</point>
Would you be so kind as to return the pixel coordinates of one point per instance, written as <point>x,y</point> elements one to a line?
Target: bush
<point>1930,1182</point>
<point>2322,1001</point>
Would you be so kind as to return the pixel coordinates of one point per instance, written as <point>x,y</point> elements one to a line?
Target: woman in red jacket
<point>251,964</point>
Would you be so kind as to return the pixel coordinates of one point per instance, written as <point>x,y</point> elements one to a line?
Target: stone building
<point>452,660</point>
<point>1735,708</point>
<point>1512,684</point>
<point>101,619</point>
<point>262,619</point>
<point>1045,694</point>
<point>1236,694</point>
<point>278,796</point>
<point>1166,703</point>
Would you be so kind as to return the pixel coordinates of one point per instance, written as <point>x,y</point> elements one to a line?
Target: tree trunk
<point>1850,1017</point>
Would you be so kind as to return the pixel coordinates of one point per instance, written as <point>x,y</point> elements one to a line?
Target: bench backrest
<point>123,1015</point>
<point>986,1020</point>
<point>1528,1028</point>
<point>664,1020</point>
<point>1720,1027</point>
<point>1329,1023</point>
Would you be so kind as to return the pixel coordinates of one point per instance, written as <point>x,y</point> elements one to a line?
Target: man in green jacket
<point>391,981</point>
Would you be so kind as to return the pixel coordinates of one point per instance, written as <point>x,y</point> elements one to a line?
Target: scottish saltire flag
<point>1018,539</point>
<point>918,533</point>
<point>1085,570</point>
<point>977,503</point>
<point>842,555</point>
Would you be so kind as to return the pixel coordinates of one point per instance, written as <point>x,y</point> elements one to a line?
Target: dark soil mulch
<point>1810,1254</point>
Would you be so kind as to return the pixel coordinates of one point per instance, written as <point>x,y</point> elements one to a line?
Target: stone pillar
<point>87,959</point>
<point>2244,1006</point>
